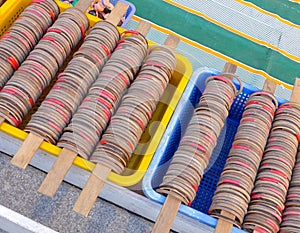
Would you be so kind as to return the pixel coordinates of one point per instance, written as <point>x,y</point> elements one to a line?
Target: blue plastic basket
<point>170,141</point>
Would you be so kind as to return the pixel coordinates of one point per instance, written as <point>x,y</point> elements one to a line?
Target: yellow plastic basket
<point>143,154</point>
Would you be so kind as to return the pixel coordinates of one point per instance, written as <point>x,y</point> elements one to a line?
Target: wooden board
<point>229,68</point>
<point>224,226</point>
<point>296,92</point>
<point>167,215</point>
<point>172,42</point>
<point>118,12</point>
<point>57,173</point>
<point>269,86</point>
<point>83,5</point>
<point>27,150</point>
<point>91,190</point>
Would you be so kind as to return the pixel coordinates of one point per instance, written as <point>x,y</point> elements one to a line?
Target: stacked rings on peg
<point>73,83</point>
<point>23,35</point>
<point>275,171</point>
<point>34,75</point>
<point>127,125</point>
<point>190,160</point>
<point>93,115</point>
<point>291,213</point>
<point>238,177</point>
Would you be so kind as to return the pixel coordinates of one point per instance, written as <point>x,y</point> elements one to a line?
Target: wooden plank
<point>27,151</point>
<point>229,68</point>
<point>172,41</point>
<point>167,215</point>
<point>1,120</point>
<point>83,5</point>
<point>269,86</point>
<point>224,226</point>
<point>91,190</point>
<point>117,13</point>
<point>296,92</point>
<point>143,27</point>
<point>57,173</point>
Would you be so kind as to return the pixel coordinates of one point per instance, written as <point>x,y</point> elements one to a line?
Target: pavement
<point>18,191</point>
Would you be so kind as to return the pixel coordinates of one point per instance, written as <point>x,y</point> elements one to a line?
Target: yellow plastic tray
<point>143,154</point>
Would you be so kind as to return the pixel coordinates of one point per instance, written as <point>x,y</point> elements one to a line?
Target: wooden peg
<point>2,120</point>
<point>229,68</point>
<point>83,5</point>
<point>172,41</point>
<point>57,173</point>
<point>269,86</point>
<point>66,158</point>
<point>91,190</point>
<point>296,91</point>
<point>224,226</point>
<point>167,215</point>
<point>117,13</point>
<point>24,155</point>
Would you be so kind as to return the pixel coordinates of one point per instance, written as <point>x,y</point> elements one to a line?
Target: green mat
<point>221,40</point>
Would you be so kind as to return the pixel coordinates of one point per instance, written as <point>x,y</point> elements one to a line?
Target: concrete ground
<point>18,191</point>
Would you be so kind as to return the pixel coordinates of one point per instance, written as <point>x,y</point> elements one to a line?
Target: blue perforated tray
<point>170,141</point>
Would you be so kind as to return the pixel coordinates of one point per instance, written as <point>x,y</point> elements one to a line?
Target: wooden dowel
<point>57,173</point>
<point>167,215</point>
<point>117,13</point>
<point>296,92</point>
<point>172,41</point>
<point>2,120</point>
<point>269,86</point>
<point>27,150</point>
<point>229,68</point>
<point>91,190</point>
<point>224,226</point>
<point>83,5</point>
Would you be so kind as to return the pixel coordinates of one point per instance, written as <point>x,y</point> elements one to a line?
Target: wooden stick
<point>2,120</point>
<point>172,41</point>
<point>223,226</point>
<point>269,86</point>
<point>83,5</point>
<point>27,151</point>
<point>296,92</point>
<point>91,190</point>
<point>99,175</point>
<point>118,12</point>
<point>229,68</point>
<point>65,159</point>
<point>167,215</point>
<point>57,173</point>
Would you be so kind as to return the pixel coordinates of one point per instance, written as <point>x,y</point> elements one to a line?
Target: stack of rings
<point>275,171</point>
<point>190,160</point>
<point>237,179</point>
<point>34,75</point>
<point>73,84</point>
<point>291,213</point>
<point>127,125</point>
<point>94,113</point>
<point>23,35</point>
